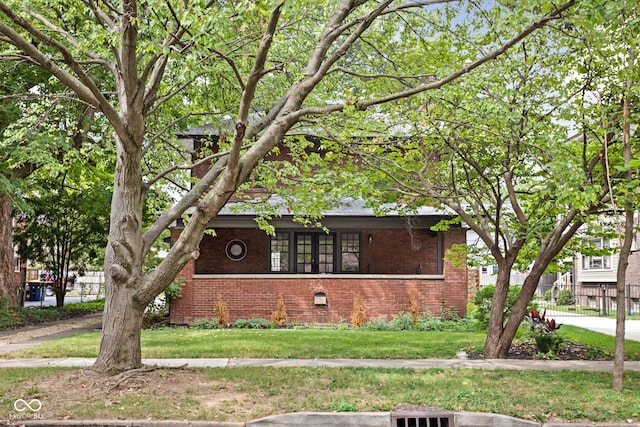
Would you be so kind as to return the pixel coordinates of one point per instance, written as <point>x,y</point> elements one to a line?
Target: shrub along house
<point>389,261</point>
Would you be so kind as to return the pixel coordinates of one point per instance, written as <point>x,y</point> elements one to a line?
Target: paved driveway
<point>604,325</point>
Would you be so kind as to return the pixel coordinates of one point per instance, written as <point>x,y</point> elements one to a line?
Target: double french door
<point>315,252</point>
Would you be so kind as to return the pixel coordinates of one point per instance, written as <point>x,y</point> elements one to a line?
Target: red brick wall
<point>257,297</point>
<point>213,258</point>
<point>399,251</point>
<point>385,296</point>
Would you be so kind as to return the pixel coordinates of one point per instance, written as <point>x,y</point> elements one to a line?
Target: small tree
<point>279,316</point>
<point>412,308</point>
<point>221,311</point>
<point>359,312</point>
<point>68,223</point>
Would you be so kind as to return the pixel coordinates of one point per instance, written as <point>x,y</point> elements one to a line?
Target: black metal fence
<point>598,300</point>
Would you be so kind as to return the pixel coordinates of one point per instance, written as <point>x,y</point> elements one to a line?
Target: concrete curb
<point>479,419</point>
<point>325,419</point>
<point>316,419</point>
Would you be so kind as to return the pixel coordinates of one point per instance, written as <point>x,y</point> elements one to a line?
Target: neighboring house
<point>489,275</point>
<point>595,278</point>
<point>389,261</point>
<point>633,279</point>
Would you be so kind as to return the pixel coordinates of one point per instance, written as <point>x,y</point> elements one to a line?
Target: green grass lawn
<point>600,341</point>
<point>275,343</point>
<point>305,343</point>
<point>242,394</point>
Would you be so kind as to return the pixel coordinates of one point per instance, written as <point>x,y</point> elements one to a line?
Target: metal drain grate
<point>422,419</point>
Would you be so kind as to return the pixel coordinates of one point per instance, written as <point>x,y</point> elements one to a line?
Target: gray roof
<point>351,213</point>
<point>348,207</point>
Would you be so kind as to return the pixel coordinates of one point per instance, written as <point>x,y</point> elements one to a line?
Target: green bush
<point>253,323</point>
<point>91,306</point>
<point>205,324</point>
<point>481,308</point>
<point>405,322</point>
<point>547,295</point>
<point>544,332</point>
<point>549,343</point>
<point>379,324</point>
<point>565,297</point>
<point>12,316</point>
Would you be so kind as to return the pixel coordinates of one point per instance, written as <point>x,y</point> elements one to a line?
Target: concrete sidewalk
<point>510,364</point>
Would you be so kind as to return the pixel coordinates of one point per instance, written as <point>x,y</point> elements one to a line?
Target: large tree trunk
<point>120,347</point>
<point>499,341</point>
<point>8,289</point>
<point>492,347</point>
<point>122,318</point>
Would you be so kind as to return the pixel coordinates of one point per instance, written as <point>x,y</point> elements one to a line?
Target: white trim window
<point>597,262</point>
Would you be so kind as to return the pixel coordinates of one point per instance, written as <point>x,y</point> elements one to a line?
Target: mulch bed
<point>569,351</point>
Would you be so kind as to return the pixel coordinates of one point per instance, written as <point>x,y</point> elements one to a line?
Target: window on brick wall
<point>350,252</point>
<point>280,252</point>
<point>315,252</point>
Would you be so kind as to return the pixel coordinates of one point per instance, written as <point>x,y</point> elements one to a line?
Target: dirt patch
<point>157,394</point>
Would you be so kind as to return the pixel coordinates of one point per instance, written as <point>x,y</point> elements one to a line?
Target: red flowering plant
<point>544,332</point>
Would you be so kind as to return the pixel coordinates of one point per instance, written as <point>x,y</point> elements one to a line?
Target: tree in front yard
<point>25,115</point>
<point>167,65</point>
<point>519,152</point>
<point>67,223</point>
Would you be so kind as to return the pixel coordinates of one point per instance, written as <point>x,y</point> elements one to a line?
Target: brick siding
<point>384,295</point>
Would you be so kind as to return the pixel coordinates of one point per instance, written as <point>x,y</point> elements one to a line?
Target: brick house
<point>388,261</point>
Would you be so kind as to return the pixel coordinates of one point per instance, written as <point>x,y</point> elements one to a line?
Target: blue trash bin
<point>34,292</point>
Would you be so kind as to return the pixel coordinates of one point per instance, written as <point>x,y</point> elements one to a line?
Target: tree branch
<point>189,200</point>
<point>68,37</point>
<point>249,91</point>
<point>81,85</point>
<point>233,66</point>
<point>363,105</point>
<point>100,15</point>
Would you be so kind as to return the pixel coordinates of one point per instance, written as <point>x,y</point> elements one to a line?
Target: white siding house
<point>595,278</point>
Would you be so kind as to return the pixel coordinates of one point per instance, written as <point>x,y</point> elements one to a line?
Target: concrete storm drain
<point>421,419</point>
